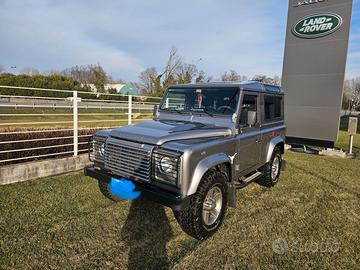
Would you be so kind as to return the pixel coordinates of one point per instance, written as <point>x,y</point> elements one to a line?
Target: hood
<point>162,131</point>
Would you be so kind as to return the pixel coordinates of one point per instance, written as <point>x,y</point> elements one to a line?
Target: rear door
<point>249,135</point>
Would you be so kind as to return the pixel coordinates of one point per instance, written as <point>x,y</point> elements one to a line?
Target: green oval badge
<point>318,25</point>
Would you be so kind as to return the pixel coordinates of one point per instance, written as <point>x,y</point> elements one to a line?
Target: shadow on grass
<point>146,232</point>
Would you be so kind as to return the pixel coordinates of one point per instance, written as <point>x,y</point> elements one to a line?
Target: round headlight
<point>166,165</point>
<point>102,149</point>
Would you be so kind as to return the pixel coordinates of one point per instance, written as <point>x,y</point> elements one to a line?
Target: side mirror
<point>155,111</point>
<point>251,118</point>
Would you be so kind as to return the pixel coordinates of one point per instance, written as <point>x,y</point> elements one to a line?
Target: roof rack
<point>248,85</point>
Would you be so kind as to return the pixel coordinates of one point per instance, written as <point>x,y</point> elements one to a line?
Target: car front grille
<point>128,159</point>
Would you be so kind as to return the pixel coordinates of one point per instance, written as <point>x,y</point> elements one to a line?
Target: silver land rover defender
<point>205,142</point>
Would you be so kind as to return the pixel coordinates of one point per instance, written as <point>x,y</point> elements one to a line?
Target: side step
<point>248,180</point>
<point>233,187</point>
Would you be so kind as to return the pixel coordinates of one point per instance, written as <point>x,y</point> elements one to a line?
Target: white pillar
<point>351,142</point>
<point>75,122</point>
<point>129,110</point>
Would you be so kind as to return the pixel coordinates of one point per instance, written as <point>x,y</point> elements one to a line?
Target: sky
<point>127,36</point>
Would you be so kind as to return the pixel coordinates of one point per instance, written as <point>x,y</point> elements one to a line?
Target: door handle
<point>258,141</point>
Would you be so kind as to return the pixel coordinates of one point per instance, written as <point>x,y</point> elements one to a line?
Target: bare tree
<point>244,78</point>
<point>355,99</point>
<point>175,71</point>
<point>268,80</point>
<point>30,71</point>
<point>185,73</point>
<point>231,76</point>
<point>351,94</point>
<point>277,80</point>
<point>168,76</point>
<point>202,78</point>
<point>89,74</point>
<point>53,72</point>
<point>173,63</point>
<point>147,80</point>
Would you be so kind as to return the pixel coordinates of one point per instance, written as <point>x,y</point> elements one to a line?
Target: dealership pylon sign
<point>314,66</point>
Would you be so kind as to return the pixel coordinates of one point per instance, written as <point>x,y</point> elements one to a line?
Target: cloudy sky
<point>126,36</point>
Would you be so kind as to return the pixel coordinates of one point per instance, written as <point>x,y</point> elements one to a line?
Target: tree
<point>202,78</point>
<point>30,71</point>
<point>147,80</point>
<point>174,62</point>
<point>40,81</point>
<point>89,74</point>
<point>355,99</point>
<point>155,83</point>
<point>168,76</point>
<point>99,78</point>
<point>268,80</point>
<point>230,76</point>
<point>277,80</point>
<point>176,71</point>
<point>351,96</point>
<point>186,73</point>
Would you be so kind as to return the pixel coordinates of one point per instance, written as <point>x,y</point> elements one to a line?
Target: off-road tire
<point>266,180</point>
<point>190,219</point>
<point>104,189</point>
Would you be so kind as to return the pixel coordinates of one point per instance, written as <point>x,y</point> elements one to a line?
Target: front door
<point>249,135</point>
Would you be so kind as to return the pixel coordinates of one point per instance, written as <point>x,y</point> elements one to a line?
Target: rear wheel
<point>271,170</point>
<point>105,190</point>
<point>207,207</point>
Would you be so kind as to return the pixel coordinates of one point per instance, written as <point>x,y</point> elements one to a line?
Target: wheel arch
<point>220,161</point>
<point>277,141</point>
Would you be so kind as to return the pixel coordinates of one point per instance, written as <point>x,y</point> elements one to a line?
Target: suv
<point>204,142</point>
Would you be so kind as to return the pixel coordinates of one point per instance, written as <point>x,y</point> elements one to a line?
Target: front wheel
<point>207,208</point>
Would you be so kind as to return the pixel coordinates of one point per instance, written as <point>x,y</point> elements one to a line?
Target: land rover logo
<point>318,25</point>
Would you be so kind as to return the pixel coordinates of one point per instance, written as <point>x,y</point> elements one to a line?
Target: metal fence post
<point>75,121</point>
<point>130,110</point>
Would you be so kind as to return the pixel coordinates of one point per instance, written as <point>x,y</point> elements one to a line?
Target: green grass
<point>65,223</point>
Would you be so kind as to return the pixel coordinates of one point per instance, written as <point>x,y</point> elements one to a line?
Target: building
<point>123,89</point>
<point>129,90</point>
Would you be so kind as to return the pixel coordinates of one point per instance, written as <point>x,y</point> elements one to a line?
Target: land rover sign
<point>318,25</point>
<point>317,35</point>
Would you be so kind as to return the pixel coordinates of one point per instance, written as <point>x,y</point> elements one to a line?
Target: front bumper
<point>148,191</point>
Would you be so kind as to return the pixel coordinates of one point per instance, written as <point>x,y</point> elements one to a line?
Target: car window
<point>249,104</point>
<point>217,101</point>
<point>273,106</point>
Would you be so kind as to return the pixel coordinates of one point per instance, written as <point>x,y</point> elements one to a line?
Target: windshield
<point>219,101</point>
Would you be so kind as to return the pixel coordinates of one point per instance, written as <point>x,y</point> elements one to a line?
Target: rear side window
<point>273,107</point>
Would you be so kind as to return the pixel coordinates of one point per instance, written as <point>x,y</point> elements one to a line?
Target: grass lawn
<point>64,222</point>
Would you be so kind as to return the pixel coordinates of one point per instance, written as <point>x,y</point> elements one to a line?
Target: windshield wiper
<point>203,110</point>
<point>172,110</point>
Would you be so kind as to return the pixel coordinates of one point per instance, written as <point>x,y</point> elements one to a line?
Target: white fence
<point>45,125</point>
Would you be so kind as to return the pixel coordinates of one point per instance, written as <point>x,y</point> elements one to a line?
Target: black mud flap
<point>283,165</point>
<point>231,195</point>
